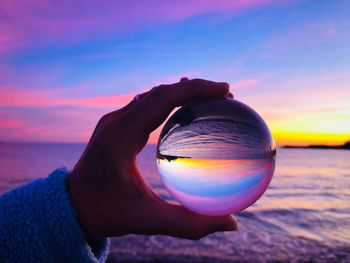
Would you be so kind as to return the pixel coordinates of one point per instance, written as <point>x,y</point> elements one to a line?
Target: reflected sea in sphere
<point>216,157</point>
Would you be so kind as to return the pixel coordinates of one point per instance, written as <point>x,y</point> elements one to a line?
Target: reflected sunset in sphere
<point>216,157</point>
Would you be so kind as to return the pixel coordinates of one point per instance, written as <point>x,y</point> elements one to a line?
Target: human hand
<point>106,187</point>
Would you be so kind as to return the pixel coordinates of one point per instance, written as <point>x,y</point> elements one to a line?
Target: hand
<point>106,187</point>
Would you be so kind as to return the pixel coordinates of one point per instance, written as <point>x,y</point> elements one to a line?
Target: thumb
<point>176,220</point>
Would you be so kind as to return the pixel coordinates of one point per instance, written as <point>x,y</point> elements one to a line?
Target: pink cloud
<point>13,96</point>
<point>53,115</point>
<point>46,133</point>
<point>10,123</point>
<point>27,23</point>
<point>67,124</point>
<point>244,83</point>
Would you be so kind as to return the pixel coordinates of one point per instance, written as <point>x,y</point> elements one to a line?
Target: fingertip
<point>181,222</point>
<point>225,223</point>
<point>211,88</point>
<point>232,224</point>
<point>229,95</point>
<point>151,110</point>
<point>225,85</point>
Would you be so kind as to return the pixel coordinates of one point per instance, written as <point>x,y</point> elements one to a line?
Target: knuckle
<point>162,94</point>
<point>104,118</point>
<point>159,90</point>
<point>196,82</point>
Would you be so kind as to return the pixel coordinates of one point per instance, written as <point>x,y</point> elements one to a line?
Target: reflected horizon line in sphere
<point>216,157</point>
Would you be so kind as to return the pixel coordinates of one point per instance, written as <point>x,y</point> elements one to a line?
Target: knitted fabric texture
<point>38,224</point>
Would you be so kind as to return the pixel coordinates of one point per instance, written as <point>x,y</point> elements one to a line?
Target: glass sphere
<point>216,157</point>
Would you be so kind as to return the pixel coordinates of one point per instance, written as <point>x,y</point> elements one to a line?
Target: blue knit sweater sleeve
<point>38,224</point>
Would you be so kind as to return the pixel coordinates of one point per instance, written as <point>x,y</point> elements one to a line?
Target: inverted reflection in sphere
<point>216,157</point>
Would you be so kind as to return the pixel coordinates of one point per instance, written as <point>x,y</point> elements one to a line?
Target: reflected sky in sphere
<point>216,157</point>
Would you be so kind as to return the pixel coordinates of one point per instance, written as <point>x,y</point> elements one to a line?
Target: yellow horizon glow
<point>303,138</point>
<point>283,138</point>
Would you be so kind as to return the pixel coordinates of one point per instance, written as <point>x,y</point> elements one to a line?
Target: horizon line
<point>152,143</point>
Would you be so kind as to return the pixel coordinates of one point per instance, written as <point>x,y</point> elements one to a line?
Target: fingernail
<point>224,84</point>
<point>229,95</point>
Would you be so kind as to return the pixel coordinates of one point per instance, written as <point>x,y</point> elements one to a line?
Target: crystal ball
<point>216,157</point>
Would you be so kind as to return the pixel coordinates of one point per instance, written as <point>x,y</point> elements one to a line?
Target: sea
<point>304,216</point>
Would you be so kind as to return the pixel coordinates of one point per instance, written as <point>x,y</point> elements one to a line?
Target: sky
<point>63,64</point>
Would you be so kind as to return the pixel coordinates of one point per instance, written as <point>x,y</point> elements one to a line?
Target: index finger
<point>154,108</point>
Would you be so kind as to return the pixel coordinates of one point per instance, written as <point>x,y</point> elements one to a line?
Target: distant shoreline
<point>170,158</point>
<point>345,146</point>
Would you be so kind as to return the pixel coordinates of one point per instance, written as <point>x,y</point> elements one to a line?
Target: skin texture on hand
<point>106,187</point>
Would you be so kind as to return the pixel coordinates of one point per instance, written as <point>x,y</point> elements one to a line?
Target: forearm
<point>38,223</point>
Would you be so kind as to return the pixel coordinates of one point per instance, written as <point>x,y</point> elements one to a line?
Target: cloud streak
<point>62,61</point>
<point>29,23</point>
<point>20,97</point>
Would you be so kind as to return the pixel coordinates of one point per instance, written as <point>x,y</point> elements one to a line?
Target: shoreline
<point>345,146</point>
<point>320,147</point>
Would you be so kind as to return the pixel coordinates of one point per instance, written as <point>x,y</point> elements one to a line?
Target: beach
<point>303,216</point>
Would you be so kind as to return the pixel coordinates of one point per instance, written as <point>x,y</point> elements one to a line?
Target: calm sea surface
<point>303,216</point>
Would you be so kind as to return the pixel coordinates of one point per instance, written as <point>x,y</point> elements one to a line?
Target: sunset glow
<point>63,65</point>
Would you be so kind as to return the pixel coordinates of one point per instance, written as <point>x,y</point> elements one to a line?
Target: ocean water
<point>303,216</point>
